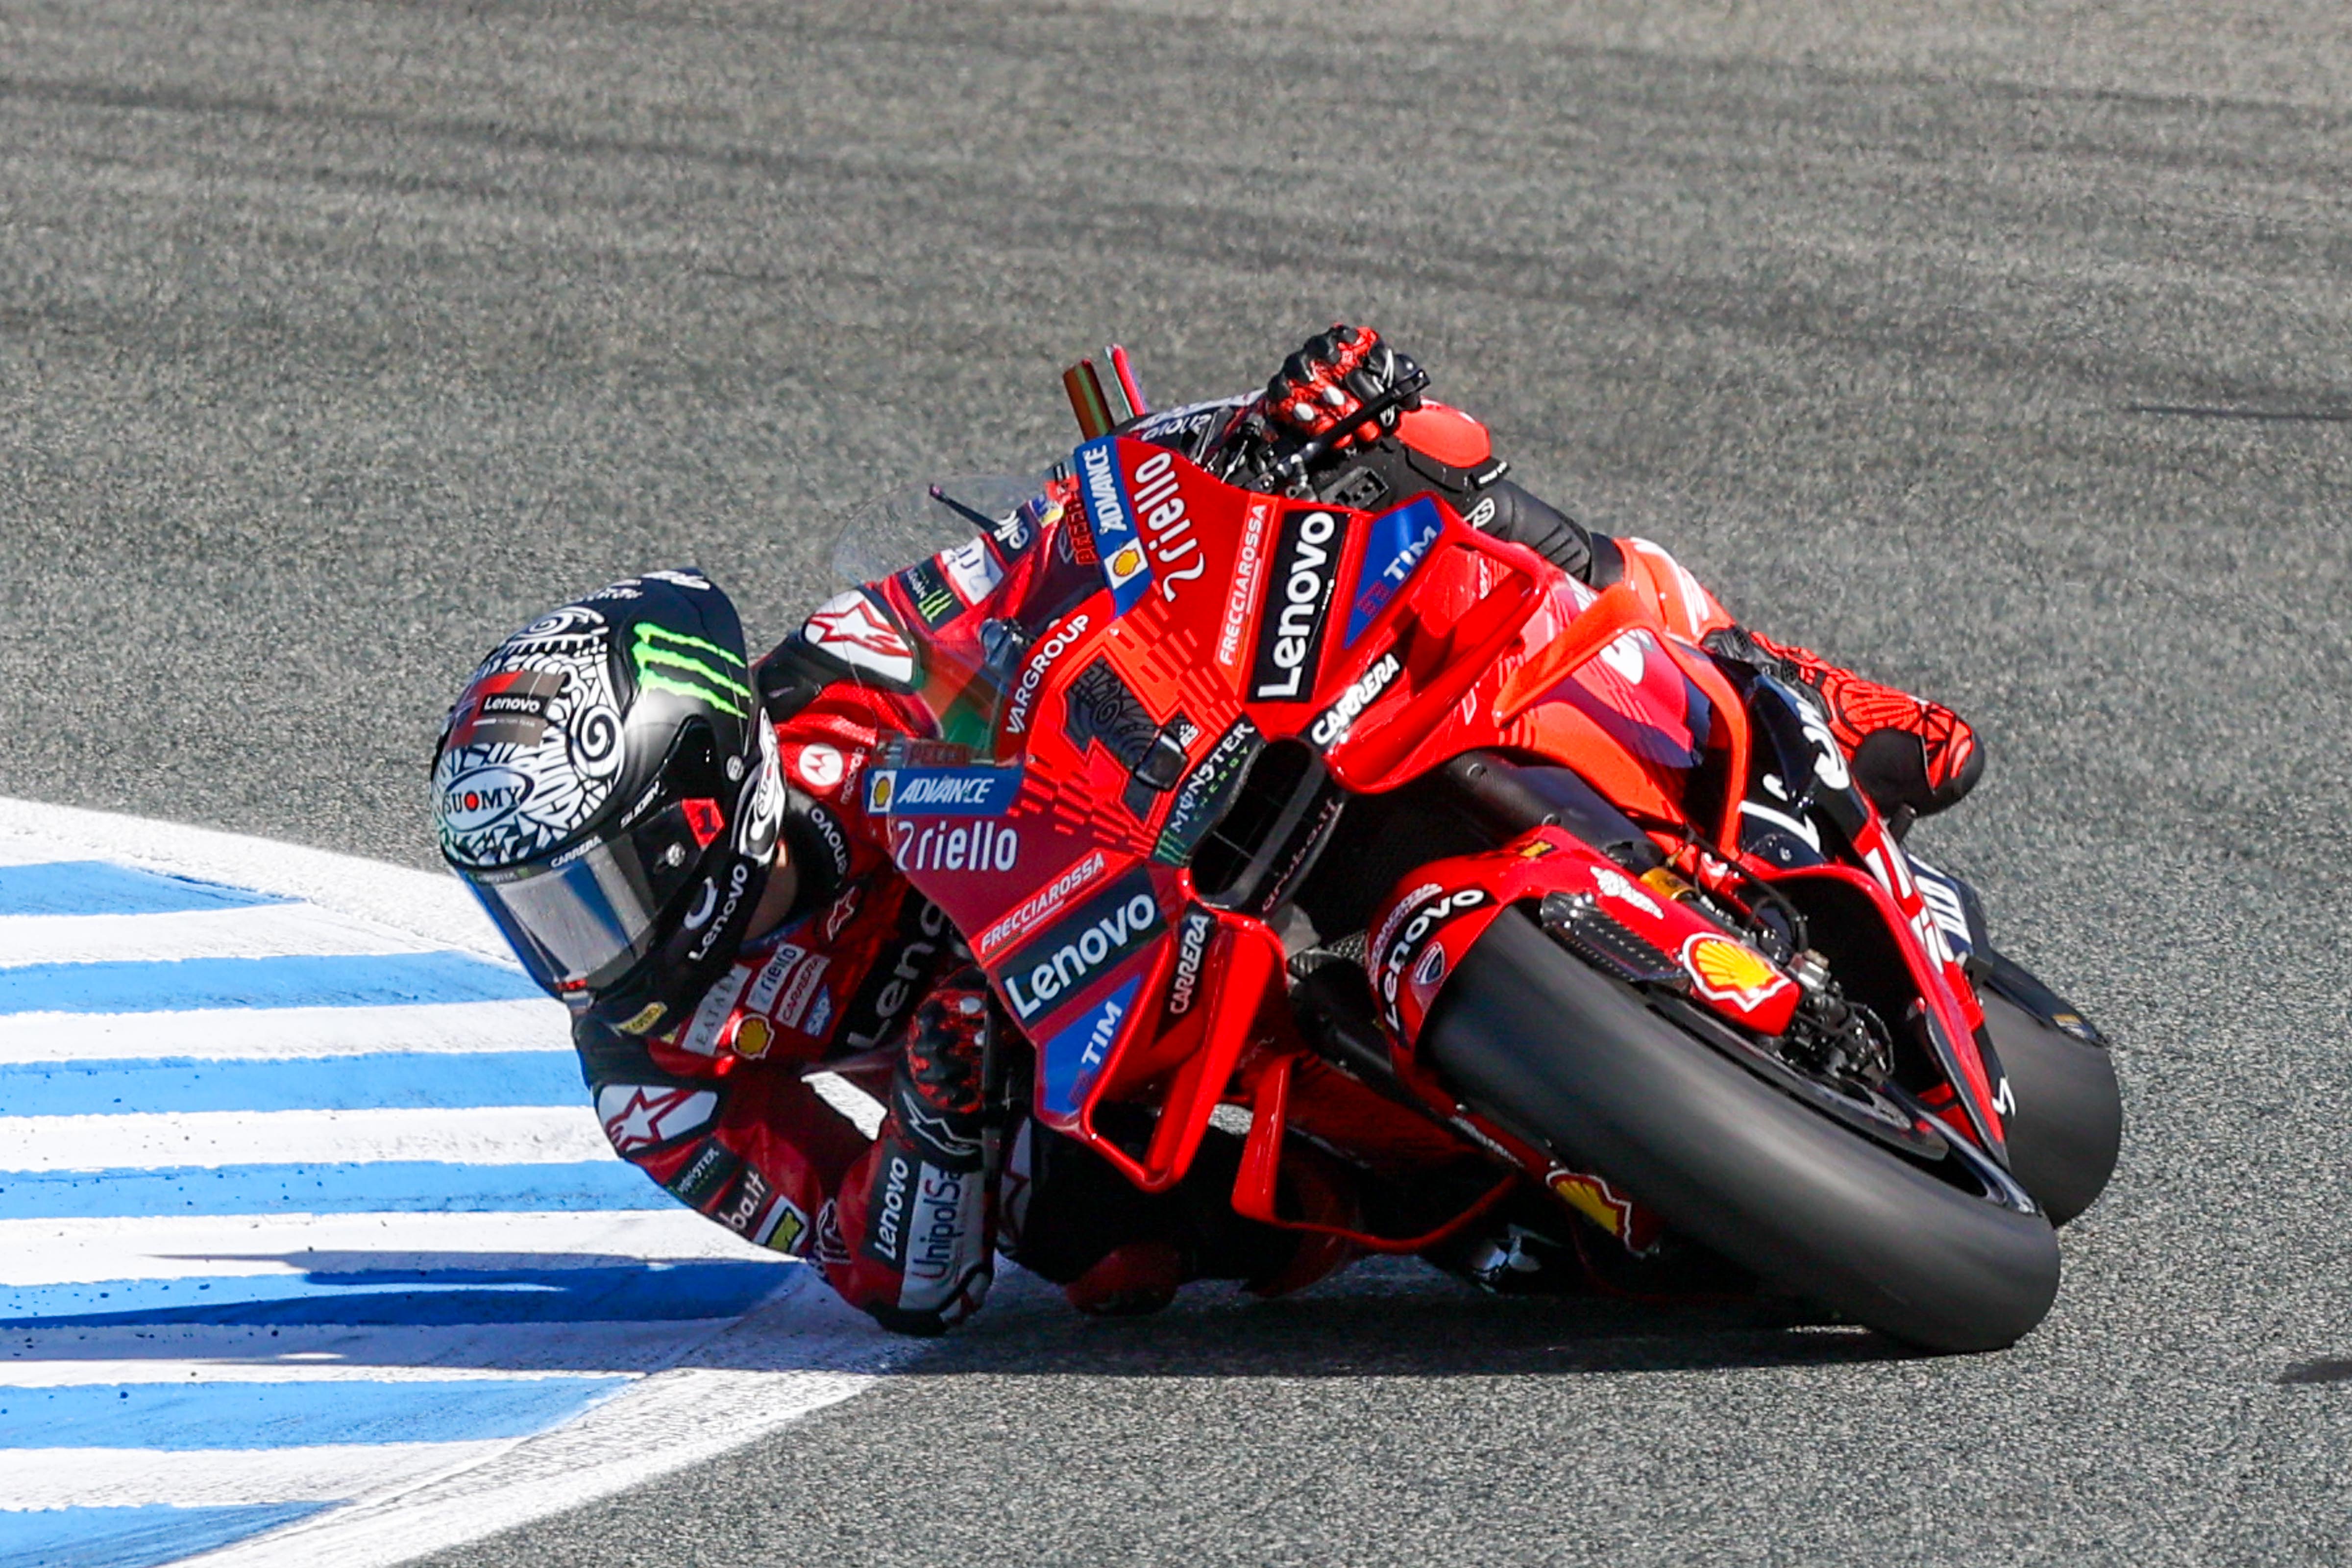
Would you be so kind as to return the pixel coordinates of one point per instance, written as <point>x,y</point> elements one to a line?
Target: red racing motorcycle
<point>1570,905</point>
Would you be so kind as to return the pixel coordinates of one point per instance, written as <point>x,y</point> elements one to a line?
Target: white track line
<point>178,1247</point>
<point>180,1374</point>
<point>250,1351</point>
<point>255,930</point>
<point>274,1034</point>
<point>664,1424</point>
<point>820,1351</point>
<point>218,1477</point>
<point>433,907</point>
<point>479,1135</point>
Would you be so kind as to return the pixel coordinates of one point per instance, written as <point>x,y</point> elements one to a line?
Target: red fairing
<point>1448,434</point>
<point>1081,703</point>
<point>1433,920</point>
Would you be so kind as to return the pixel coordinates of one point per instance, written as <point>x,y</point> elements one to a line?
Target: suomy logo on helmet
<point>482,797</point>
<point>665,661</point>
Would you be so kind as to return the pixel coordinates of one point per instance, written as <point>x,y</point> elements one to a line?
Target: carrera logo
<point>1159,502</point>
<point>483,797</point>
<point>1083,949</point>
<point>1727,971</point>
<point>1297,600</point>
<point>1414,933</point>
<point>983,846</point>
<point>1040,906</point>
<point>1191,947</point>
<point>1336,720</point>
<point>1032,675</point>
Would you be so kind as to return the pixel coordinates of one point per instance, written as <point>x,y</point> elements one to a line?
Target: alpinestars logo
<point>1334,722</point>
<point>851,628</point>
<point>1298,602</point>
<point>1082,949</point>
<point>640,1116</point>
<point>664,660</point>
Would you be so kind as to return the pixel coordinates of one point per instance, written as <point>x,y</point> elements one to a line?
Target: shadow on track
<point>1386,1324</point>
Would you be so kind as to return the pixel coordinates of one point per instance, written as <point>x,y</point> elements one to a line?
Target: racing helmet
<point>607,786</point>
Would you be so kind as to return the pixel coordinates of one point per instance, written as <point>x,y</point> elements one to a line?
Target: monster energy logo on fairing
<point>693,659</point>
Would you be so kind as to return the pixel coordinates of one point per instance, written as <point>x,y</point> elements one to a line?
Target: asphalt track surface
<point>2004,356</point>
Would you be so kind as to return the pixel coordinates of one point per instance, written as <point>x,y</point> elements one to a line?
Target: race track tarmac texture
<point>2003,355</point>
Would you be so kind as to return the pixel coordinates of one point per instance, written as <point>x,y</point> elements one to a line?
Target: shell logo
<point>1126,562</point>
<point>1605,1206</point>
<point>1727,971</point>
<point>752,1037</point>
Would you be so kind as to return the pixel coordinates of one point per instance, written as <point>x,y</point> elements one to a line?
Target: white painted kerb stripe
<point>256,930</point>
<point>177,1247</point>
<point>434,906</point>
<point>273,1034</point>
<point>666,1423</point>
<point>220,1478</point>
<point>183,1374</point>
<point>480,1135</point>
<point>253,1351</point>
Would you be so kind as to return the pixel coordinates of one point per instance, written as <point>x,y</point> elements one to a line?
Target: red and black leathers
<point>865,978</point>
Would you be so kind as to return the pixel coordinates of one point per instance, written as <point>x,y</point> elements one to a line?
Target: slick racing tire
<point>2068,1123</point>
<point>1533,1038</point>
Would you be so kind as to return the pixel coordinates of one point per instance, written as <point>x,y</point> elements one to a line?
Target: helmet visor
<point>579,926</point>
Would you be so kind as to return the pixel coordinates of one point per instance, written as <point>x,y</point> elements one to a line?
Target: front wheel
<point>2068,1124</point>
<point>1575,1062</point>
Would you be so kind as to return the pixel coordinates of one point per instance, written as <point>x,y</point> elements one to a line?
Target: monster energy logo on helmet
<point>664,660</point>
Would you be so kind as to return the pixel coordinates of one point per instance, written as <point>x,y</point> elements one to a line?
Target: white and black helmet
<point>607,787</point>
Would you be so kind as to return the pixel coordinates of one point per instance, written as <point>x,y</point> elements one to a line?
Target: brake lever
<point>1289,471</point>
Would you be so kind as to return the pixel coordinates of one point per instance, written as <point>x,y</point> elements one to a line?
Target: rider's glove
<point>1332,376</point>
<point>938,1094</point>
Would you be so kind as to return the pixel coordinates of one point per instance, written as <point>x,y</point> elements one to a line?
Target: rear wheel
<point>1947,1256</point>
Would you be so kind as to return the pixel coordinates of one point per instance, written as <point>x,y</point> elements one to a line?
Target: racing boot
<point>1907,753</point>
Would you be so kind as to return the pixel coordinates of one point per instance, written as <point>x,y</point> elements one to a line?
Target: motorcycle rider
<point>674,840</point>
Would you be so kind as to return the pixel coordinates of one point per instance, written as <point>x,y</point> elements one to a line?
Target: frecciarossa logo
<point>1298,602</point>
<point>1084,948</point>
